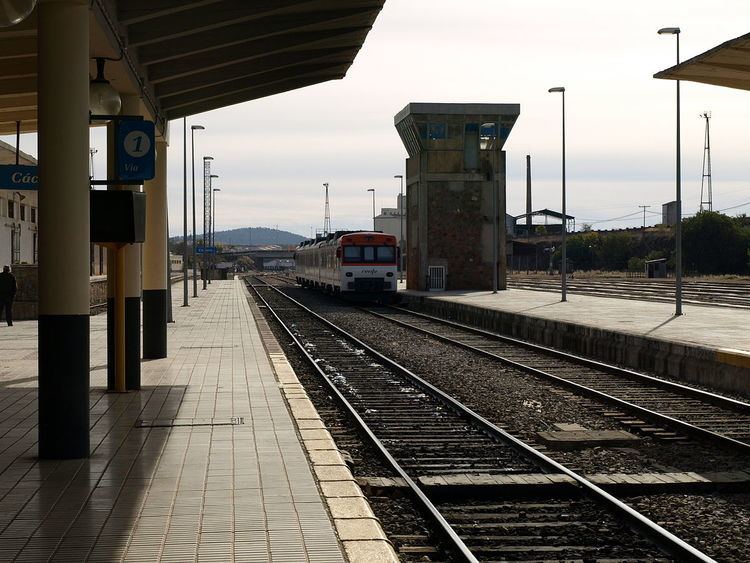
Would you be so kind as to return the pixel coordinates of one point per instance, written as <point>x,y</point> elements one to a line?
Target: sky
<point>273,155</point>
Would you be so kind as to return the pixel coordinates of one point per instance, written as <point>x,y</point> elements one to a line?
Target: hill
<point>257,236</point>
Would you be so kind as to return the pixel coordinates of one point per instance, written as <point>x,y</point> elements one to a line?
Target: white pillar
<point>63,109</point>
<point>155,257</point>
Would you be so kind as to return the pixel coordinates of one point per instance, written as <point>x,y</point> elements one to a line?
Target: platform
<point>203,464</point>
<point>707,345</point>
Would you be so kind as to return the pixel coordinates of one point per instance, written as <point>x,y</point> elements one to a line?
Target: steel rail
<point>666,420</point>
<point>713,398</point>
<point>601,291</point>
<point>661,537</point>
<point>446,529</point>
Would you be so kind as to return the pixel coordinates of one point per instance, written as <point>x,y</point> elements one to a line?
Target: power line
<point>733,207</point>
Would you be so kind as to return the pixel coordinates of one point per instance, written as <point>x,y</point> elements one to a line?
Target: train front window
<point>386,254</point>
<point>351,254</point>
<point>371,254</point>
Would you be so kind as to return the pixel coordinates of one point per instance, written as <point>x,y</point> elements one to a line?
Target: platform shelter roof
<point>727,65</point>
<point>190,56</point>
<point>545,213</point>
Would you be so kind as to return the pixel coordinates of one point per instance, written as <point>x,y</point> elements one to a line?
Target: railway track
<point>425,434</point>
<point>721,294</point>
<point>675,409</point>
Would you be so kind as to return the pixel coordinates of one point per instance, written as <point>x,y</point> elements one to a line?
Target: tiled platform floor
<point>221,492</point>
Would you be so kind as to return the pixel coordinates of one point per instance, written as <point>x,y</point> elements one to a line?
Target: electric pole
<point>644,207</point>
<point>327,216</point>
<point>706,189</point>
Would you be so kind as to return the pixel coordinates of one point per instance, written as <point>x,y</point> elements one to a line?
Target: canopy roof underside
<point>190,56</point>
<point>725,65</point>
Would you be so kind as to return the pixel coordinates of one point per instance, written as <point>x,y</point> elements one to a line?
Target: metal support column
<point>130,277</point>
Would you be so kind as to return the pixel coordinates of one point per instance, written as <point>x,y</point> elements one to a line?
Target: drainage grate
<point>172,422</point>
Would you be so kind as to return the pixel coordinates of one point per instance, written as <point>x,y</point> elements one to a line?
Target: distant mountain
<point>257,236</point>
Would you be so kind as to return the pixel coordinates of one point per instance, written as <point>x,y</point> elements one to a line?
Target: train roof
<point>333,238</point>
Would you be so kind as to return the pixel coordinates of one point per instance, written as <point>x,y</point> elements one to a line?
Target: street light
<point>103,98</point>
<point>212,200</point>
<point>206,183</point>
<point>15,12</point>
<point>401,230</point>
<point>193,129</point>
<point>184,215</point>
<point>373,206</point>
<point>563,267</point>
<point>213,217</point>
<point>678,189</point>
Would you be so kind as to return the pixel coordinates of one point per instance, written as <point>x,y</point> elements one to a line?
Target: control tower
<point>455,192</point>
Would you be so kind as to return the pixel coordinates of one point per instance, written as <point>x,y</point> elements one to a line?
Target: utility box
<point>118,216</point>
<point>455,193</point>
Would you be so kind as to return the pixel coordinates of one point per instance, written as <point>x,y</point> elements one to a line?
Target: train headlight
<point>349,274</point>
<point>389,274</point>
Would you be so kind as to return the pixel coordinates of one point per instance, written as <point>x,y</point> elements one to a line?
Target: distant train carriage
<point>351,263</point>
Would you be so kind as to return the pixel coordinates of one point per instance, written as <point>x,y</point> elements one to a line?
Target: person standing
<point>8,290</point>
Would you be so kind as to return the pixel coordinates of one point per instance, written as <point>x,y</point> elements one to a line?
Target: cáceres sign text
<point>19,177</point>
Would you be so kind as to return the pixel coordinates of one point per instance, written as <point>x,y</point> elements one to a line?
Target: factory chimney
<point>528,191</point>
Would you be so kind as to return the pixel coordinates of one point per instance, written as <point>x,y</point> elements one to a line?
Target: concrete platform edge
<point>721,369</point>
<point>359,530</point>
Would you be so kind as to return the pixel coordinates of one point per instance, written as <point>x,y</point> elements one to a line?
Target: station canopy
<point>727,65</point>
<point>186,57</point>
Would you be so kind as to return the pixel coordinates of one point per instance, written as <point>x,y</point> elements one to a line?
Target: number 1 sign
<point>135,150</point>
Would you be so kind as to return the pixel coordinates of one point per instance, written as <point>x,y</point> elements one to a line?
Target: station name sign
<point>19,177</point>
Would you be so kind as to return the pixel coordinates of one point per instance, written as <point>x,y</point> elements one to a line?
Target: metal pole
<point>184,215</point>
<point>401,232</point>
<point>18,141</point>
<point>494,223</point>
<point>564,268</point>
<point>373,209</point>
<point>119,262</point>
<point>192,164</point>
<point>678,212</point>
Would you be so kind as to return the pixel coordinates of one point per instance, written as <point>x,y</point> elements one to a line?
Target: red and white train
<point>350,263</point>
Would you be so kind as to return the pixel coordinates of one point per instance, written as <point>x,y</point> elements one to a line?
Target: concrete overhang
<point>185,57</point>
<point>727,65</point>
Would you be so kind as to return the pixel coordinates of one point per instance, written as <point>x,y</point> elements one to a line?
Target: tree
<point>714,243</point>
<point>582,250</point>
<point>615,251</point>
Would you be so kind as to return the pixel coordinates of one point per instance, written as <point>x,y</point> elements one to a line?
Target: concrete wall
<point>25,304</point>
<point>450,213</point>
<point>691,364</point>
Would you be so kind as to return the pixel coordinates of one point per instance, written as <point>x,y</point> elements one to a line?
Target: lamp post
<point>193,129</point>
<point>401,229</point>
<point>213,217</point>
<point>184,215</point>
<point>564,265</point>
<point>210,218</point>
<point>678,189</point>
<point>373,206</point>
<point>206,187</point>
